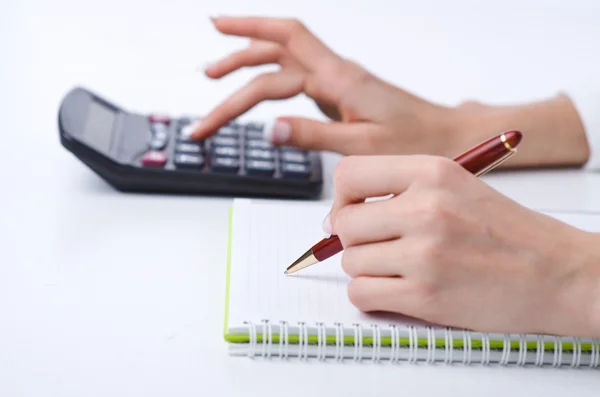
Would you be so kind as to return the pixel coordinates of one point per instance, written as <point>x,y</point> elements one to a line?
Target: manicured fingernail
<point>327,224</point>
<point>190,129</point>
<point>280,133</point>
<point>203,67</point>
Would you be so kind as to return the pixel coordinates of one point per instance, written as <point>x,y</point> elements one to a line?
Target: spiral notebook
<point>308,315</point>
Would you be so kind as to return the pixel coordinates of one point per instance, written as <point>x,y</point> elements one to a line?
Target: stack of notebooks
<point>308,314</point>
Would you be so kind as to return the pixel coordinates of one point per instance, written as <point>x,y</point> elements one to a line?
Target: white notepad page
<point>268,236</point>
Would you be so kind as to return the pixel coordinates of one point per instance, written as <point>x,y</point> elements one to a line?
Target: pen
<point>479,160</point>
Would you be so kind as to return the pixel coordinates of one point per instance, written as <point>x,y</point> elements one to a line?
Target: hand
<point>369,116</point>
<point>448,249</point>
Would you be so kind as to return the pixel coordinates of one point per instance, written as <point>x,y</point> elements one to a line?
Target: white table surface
<point>104,293</point>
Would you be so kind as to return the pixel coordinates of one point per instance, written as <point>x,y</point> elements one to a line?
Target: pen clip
<point>496,163</point>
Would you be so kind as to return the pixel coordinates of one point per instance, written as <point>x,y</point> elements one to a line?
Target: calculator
<point>153,153</point>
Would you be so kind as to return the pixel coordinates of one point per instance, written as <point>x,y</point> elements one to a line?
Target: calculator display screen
<point>99,125</point>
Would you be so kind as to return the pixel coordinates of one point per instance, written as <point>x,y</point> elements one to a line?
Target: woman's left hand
<point>448,249</point>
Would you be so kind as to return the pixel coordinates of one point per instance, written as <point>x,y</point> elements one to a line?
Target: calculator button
<point>159,118</point>
<point>192,148</point>
<point>259,167</point>
<point>158,144</point>
<point>154,158</point>
<point>252,126</point>
<point>224,141</point>
<point>293,170</point>
<point>185,133</point>
<point>258,144</point>
<point>294,157</point>
<point>259,154</point>
<point>232,131</point>
<point>159,131</point>
<point>226,151</point>
<point>225,164</point>
<point>255,130</point>
<point>189,161</point>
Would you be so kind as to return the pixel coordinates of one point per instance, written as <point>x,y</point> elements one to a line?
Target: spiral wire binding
<point>395,348</point>
<point>539,352</point>
<point>376,356</point>
<point>557,361</point>
<point>467,351</point>
<point>413,345</point>
<point>430,345</point>
<point>448,346</point>
<point>522,351</point>
<point>485,349</point>
<point>576,361</point>
<point>395,344</point>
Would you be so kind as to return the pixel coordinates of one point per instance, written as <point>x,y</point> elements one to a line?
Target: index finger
<point>305,47</point>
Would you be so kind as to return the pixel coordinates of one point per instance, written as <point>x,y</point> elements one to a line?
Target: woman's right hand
<point>368,115</point>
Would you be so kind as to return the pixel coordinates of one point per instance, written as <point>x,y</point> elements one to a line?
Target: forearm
<point>554,135</point>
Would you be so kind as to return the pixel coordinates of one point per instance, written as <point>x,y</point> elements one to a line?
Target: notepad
<point>308,315</point>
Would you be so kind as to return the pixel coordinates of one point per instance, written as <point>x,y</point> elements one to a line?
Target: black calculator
<point>153,153</point>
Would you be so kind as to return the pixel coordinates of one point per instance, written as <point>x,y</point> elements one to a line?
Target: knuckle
<point>349,262</point>
<point>343,171</point>
<point>439,171</point>
<point>430,255</point>
<point>431,209</point>
<point>343,225</point>
<point>427,290</point>
<point>296,28</point>
<point>427,294</point>
<point>358,294</point>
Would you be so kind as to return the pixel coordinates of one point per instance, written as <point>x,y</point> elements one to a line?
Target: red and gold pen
<point>479,160</point>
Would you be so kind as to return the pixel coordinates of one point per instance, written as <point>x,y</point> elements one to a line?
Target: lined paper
<point>268,236</point>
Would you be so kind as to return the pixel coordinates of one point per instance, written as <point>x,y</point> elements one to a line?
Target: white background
<point>103,293</point>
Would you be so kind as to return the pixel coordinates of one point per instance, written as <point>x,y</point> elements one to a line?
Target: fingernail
<point>279,133</point>
<point>203,67</point>
<point>327,224</point>
<point>188,130</point>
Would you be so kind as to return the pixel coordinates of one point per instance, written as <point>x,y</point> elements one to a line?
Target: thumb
<point>307,134</point>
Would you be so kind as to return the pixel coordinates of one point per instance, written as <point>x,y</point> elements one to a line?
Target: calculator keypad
<point>260,154</point>
<point>224,141</point>
<point>294,157</point>
<point>189,161</point>
<point>235,148</point>
<point>259,167</point>
<point>225,164</point>
<point>226,151</point>
<point>193,148</point>
<point>154,158</point>
<point>293,170</point>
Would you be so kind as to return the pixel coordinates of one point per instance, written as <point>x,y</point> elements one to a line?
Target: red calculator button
<point>154,158</point>
<point>159,118</point>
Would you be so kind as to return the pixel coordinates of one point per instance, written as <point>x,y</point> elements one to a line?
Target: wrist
<point>577,303</point>
<point>553,133</point>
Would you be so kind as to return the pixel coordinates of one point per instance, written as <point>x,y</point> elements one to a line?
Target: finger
<point>310,134</point>
<point>258,54</point>
<point>308,50</point>
<point>376,293</point>
<point>277,85</point>
<point>371,222</point>
<point>358,178</point>
<point>384,259</point>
